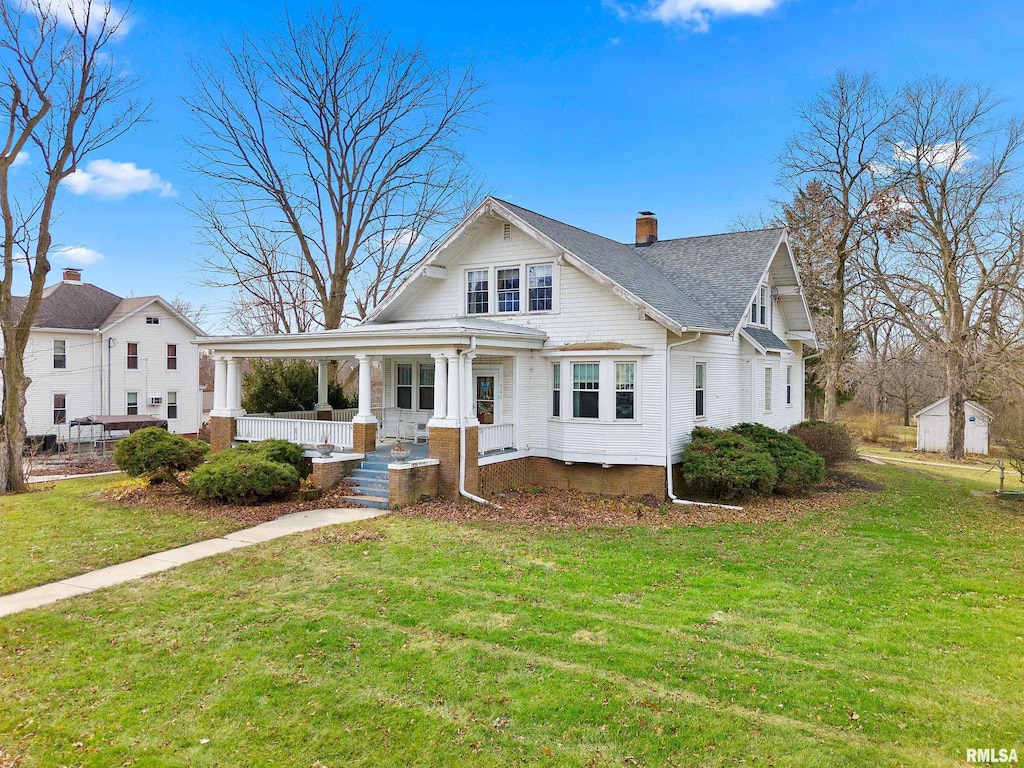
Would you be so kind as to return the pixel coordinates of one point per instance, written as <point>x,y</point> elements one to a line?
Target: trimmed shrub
<point>726,465</point>
<point>796,466</point>
<point>280,451</point>
<point>156,454</point>
<point>833,441</point>
<point>243,477</point>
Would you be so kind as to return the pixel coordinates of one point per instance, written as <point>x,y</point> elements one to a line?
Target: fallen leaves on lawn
<point>347,535</point>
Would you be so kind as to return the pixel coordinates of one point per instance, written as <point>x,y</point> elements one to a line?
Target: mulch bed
<point>551,508</point>
<point>166,496</point>
<point>73,465</point>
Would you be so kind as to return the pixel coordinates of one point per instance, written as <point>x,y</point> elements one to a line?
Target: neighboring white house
<point>92,353</point>
<point>933,427</point>
<point>592,358</point>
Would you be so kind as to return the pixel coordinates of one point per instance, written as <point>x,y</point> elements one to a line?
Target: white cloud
<point>695,14</point>
<point>948,154</point>
<point>78,255</point>
<point>109,179</point>
<point>22,158</point>
<point>67,12</point>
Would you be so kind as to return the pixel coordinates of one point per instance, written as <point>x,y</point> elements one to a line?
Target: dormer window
<point>760,312</point>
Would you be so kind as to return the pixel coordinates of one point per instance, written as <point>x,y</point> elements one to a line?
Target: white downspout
<point>462,428</point>
<point>668,432</point>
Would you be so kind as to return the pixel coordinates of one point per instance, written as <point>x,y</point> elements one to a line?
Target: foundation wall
<point>537,471</point>
<point>411,484</point>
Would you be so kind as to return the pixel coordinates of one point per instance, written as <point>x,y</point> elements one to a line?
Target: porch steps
<point>371,484</point>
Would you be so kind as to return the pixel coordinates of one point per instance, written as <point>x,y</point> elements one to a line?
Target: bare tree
<point>832,161</point>
<point>61,97</point>
<point>954,272</point>
<point>334,159</point>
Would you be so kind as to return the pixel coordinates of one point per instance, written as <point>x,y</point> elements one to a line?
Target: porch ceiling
<point>376,338</point>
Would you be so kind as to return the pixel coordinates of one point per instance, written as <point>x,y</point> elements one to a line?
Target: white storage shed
<point>933,427</point>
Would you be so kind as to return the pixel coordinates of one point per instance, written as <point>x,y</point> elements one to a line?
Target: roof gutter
<point>668,434</point>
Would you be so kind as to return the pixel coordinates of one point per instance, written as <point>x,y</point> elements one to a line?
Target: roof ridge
<point>565,224</point>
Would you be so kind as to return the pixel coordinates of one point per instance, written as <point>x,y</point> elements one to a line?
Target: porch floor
<point>383,453</point>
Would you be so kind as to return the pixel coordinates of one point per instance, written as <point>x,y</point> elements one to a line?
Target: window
<point>760,307</point>
<point>476,292</point>
<point>426,387</point>
<point>700,371</point>
<point>60,353</point>
<point>132,404</point>
<point>60,409</point>
<point>789,385</point>
<point>764,305</point>
<point>133,356</point>
<point>403,389</point>
<point>172,405</point>
<point>540,287</point>
<point>767,389</point>
<point>508,289</point>
<point>753,311</point>
<point>625,390</point>
<point>556,389</point>
<point>152,321</point>
<point>586,382</point>
<point>172,357</point>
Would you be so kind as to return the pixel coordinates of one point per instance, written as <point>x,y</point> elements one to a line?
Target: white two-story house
<point>92,353</point>
<point>525,351</point>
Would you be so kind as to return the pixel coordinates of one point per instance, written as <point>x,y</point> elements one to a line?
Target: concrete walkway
<point>879,458</point>
<point>172,558</point>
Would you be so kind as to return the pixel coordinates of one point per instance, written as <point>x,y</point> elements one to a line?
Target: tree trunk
<point>955,386</point>
<point>12,424</point>
<point>833,363</point>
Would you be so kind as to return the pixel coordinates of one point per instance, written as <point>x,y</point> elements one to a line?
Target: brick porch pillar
<point>324,415</point>
<point>444,446</point>
<point>222,433</point>
<point>364,437</point>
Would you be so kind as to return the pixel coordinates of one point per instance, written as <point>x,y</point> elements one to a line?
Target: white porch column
<point>453,387</point>
<point>364,415</point>
<point>322,403</point>
<point>233,406</point>
<point>469,403</point>
<point>220,386</point>
<point>440,387</point>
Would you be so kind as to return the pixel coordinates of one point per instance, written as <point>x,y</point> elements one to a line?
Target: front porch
<point>444,384</point>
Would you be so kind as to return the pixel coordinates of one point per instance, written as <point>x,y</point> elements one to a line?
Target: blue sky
<point>595,110</point>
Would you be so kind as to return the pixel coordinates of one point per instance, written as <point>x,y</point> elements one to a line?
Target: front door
<point>485,399</point>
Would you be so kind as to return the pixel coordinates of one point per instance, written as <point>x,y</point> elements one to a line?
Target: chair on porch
<point>391,424</point>
<point>414,426</point>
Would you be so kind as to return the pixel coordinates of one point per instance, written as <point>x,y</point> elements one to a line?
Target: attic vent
<point>506,233</point>
<point>152,321</point>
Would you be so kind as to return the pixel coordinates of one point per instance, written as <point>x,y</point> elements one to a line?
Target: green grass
<point>483,646</point>
<point>65,529</point>
<point>975,476</point>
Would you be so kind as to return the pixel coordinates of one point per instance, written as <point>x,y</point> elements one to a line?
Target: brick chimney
<point>646,228</point>
<point>72,275</point>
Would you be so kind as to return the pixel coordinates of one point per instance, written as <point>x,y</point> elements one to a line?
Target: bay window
<point>625,390</point>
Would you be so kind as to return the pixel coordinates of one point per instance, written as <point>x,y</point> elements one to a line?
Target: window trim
<point>171,357</point>
<point>768,382</point>
<point>129,356</point>
<point>63,355</point>
<point>789,386</point>
<point>128,405</point>
<point>596,390</point>
<point>493,293</point>
<point>168,404</point>
<point>703,389</point>
<point>55,409</point>
<point>761,309</point>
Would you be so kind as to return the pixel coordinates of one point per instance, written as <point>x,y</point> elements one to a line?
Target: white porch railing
<point>301,431</point>
<point>495,437</point>
<point>338,414</point>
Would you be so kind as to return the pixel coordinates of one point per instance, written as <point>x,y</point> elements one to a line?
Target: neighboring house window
<point>586,383</point>
<point>625,390</point>
<point>426,388</point>
<point>60,353</point>
<point>60,409</point>
<point>540,287</point>
<point>172,357</point>
<point>403,388</point>
<point>508,289</point>
<point>477,290</point>
<point>789,385</point>
<point>133,356</point>
<point>152,321</point>
<point>556,389</point>
<point>767,388</point>
<point>133,404</point>
<point>700,371</point>
<point>172,405</point>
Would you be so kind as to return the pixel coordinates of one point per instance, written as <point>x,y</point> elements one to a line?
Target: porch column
<point>453,389</point>
<point>364,425</point>
<point>323,405</point>
<point>234,388</point>
<point>220,386</point>
<point>440,387</point>
<point>469,396</point>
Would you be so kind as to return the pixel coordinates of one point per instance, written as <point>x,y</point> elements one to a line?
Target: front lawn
<point>63,529</point>
<point>885,633</point>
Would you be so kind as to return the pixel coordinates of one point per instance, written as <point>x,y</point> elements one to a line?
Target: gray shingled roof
<point>699,282</point>
<point>78,306</point>
<point>765,338</point>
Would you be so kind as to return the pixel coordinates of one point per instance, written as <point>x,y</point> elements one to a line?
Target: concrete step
<point>371,502</point>
<point>370,490</point>
<point>379,465</point>
<point>376,474</point>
